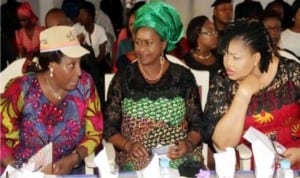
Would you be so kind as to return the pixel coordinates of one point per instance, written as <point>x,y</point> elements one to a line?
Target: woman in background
<point>290,37</point>
<point>27,37</point>
<point>202,39</point>
<point>125,53</point>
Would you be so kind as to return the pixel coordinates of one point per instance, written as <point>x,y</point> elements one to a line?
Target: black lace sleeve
<point>193,104</point>
<point>218,101</point>
<point>113,110</point>
<point>293,70</point>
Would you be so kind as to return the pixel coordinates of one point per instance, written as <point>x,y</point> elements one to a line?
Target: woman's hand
<point>250,85</point>
<point>65,164</point>
<point>9,160</point>
<point>137,150</point>
<point>179,150</point>
<point>292,154</point>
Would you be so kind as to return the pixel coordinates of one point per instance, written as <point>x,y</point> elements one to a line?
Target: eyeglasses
<point>212,33</point>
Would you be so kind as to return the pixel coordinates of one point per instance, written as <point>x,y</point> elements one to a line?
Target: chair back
<point>11,71</point>
<point>107,79</point>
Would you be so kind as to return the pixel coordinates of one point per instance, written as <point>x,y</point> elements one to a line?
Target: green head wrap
<point>162,18</point>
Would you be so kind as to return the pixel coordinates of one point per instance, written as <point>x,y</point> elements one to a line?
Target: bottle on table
<point>165,171</point>
<point>285,170</point>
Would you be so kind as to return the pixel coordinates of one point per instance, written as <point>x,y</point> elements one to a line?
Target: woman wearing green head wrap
<point>153,101</point>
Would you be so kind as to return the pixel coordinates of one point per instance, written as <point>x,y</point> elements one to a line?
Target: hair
<point>71,8</point>
<point>249,10</point>
<point>132,12</point>
<point>295,7</point>
<point>25,9</point>
<point>193,30</point>
<point>89,7</point>
<point>53,11</point>
<point>254,34</point>
<point>270,14</point>
<point>47,57</point>
<point>286,19</point>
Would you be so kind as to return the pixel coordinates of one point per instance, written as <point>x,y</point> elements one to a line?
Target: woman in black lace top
<point>154,102</point>
<point>256,89</point>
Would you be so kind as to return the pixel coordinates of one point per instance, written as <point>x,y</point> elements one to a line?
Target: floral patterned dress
<point>29,120</point>
<point>274,110</point>
<point>160,113</point>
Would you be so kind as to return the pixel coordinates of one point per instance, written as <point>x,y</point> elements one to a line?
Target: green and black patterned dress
<point>160,113</point>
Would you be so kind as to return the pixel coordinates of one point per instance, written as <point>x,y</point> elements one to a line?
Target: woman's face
<point>148,46</point>
<point>67,72</point>
<point>208,37</point>
<point>24,20</point>
<point>239,60</point>
<point>224,12</point>
<point>130,23</point>
<point>273,25</point>
<point>84,17</point>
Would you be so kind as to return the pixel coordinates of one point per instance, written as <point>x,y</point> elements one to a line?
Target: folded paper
<point>263,151</point>
<point>43,157</point>
<point>152,169</point>
<point>263,159</point>
<point>12,172</point>
<point>225,163</point>
<point>105,161</point>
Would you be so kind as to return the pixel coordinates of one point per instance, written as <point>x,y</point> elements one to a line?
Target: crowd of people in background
<point>111,40</point>
<point>251,53</point>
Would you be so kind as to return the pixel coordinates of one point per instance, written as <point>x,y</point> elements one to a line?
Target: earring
<point>51,72</point>
<point>162,59</point>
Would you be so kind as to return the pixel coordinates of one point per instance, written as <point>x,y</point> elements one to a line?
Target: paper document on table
<point>12,172</point>
<point>161,150</point>
<point>43,157</point>
<point>253,134</point>
<point>105,161</point>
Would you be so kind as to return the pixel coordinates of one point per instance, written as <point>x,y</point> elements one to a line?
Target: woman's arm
<point>229,129</point>
<point>93,124</point>
<point>102,51</point>
<point>10,108</point>
<point>113,113</point>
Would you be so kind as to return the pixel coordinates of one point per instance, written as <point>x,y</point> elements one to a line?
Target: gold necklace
<point>202,57</point>
<point>57,96</point>
<point>152,79</point>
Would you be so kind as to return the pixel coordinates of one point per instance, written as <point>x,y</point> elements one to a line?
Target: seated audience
<point>272,21</point>
<point>290,37</point>
<point>152,101</point>
<point>57,104</point>
<point>256,89</point>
